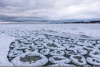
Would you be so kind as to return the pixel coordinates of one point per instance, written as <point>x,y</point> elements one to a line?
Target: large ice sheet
<point>5,42</point>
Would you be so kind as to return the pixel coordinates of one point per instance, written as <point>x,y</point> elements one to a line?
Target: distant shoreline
<point>22,23</point>
<point>43,23</point>
<point>49,23</point>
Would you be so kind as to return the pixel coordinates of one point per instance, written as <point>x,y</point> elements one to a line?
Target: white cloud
<point>51,9</point>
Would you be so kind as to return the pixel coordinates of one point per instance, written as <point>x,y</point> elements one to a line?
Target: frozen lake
<point>56,44</point>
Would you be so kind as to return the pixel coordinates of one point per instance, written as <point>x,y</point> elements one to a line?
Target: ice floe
<point>45,51</point>
<point>78,59</point>
<point>93,61</point>
<point>95,54</point>
<point>30,59</point>
<point>59,59</point>
<point>54,46</point>
<point>57,52</point>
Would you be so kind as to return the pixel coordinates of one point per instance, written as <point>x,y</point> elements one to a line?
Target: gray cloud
<point>51,9</point>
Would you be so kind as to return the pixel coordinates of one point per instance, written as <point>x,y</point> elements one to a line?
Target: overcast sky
<point>51,9</point>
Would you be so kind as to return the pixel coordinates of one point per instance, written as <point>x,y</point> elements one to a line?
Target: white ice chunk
<point>93,61</point>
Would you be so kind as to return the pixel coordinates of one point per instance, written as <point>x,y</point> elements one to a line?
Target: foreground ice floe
<point>5,42</point>
<point>30,59</point>
<point>93,61</point>
<point>78,60</point>
<point>59,59</point>
<point>95,54</point>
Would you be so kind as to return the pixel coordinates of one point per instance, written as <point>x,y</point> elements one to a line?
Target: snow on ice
<point>5,42</point>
